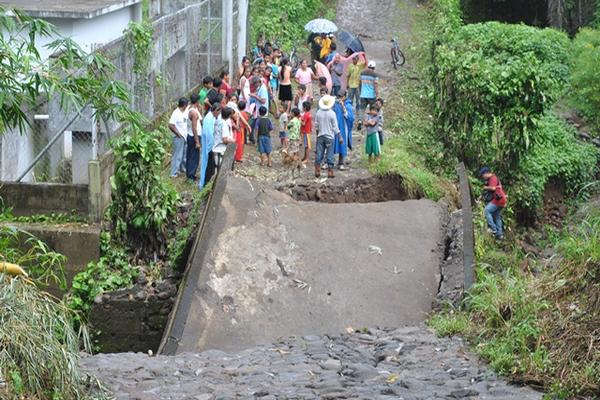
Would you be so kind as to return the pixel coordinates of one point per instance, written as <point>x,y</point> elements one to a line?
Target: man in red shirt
<point>496,201</point>
<point>306,128</point>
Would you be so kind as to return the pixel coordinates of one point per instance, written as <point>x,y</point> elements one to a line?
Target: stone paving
<point>405,363</point>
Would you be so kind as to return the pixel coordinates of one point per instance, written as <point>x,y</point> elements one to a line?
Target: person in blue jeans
<point>495,197</point>
<point>328,130</point>
<point>193,137</point>
<point>178,125</point>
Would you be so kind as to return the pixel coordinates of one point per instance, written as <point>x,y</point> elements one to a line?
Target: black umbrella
<point>350,41</point>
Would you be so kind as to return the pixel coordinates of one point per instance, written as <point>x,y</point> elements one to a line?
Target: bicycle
<point>398,58</point>
<point>294,59</point>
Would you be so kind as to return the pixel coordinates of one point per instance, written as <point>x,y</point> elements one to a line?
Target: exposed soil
<point>373,189</point>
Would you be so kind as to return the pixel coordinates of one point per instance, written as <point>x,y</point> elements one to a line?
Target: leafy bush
<point>585,77</point>
<point>445,17</point>
<point>492,83</point>
<point>183,236</point>
<point>112,272</point>
<point>557,154</point>
<point>39,350</point>
<point>284,20</point>
<point>143,202</point>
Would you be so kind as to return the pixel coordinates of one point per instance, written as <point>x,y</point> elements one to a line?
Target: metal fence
<point>56,148</point>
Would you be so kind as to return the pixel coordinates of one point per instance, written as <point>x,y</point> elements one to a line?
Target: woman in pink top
<point>305,76</point>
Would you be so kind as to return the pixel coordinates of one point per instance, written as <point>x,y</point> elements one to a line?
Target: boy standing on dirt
<point>372,145</point>
<point>294,131</point>
<point>283,127</point>
<point>263,126</point>
<point>306,129</point>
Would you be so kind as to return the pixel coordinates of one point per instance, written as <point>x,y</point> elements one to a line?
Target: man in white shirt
<point>178,125</point>
<point>223,134</point>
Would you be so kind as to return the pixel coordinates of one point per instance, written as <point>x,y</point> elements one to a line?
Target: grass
<point>39,350</point>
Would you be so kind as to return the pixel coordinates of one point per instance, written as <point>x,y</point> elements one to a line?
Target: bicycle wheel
<point>400,57</point>
<point>294,61</point>
<point>394,58</point>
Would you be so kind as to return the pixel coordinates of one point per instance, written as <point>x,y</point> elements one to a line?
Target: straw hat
<point>327,102</point>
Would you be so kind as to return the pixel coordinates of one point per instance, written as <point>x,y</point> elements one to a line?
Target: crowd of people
<point>327,98</point>
<point>270,98</point>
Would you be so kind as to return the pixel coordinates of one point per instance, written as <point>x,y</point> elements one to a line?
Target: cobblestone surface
<point>405,363</point>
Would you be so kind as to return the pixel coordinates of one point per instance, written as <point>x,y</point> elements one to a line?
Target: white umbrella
<point>321,25</point>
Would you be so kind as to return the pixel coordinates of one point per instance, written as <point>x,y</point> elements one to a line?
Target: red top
<point>226,88</point>
<point>306,123</point>
<point>499,198</point>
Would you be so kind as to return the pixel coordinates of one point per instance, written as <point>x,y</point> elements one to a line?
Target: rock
<point>98,299</point>
<point>141,295</point>
<point>463,393</point>
<point>331,364</point>
<point>596,142</point>
<point>584,135</point>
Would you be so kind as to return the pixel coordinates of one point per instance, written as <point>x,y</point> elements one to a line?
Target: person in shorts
<point>372,145</point>
<point>263,127</point>
<point>283,127</point>
<point>294,131</point>
<point>306,129</point>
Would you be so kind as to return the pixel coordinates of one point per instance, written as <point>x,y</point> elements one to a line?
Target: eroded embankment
<point>372,189</point>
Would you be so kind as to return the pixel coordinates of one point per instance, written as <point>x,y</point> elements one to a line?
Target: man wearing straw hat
<point>327,131</point>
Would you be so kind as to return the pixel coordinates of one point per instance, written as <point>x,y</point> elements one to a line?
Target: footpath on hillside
<point>281,308</point>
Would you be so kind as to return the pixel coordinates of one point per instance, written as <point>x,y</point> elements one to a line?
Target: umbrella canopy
<point>321,25</point>
<point>350,41</point>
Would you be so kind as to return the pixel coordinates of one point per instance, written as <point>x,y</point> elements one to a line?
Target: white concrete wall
<point>87,32</point>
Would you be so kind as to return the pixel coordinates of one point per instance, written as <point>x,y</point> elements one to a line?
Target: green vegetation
<point>585,79</point>
<point>41,264</point>
<point>142,202</point>
<point>183,235</point>
<point>27,80</point>
<point>283,20</point>
<point>494,87</point>
<point>536,328</point>
<point>39,348</point>
<point>6,215</point>
<point>139,37</point>
<point>113,271</point>
<point>559,156</point>
<point>492,84</point>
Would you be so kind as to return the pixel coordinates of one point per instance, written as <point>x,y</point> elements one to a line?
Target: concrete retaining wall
<point>99,187</point>
<point>45,198</point>
<point>133,319</point>
<point>174,329</point>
